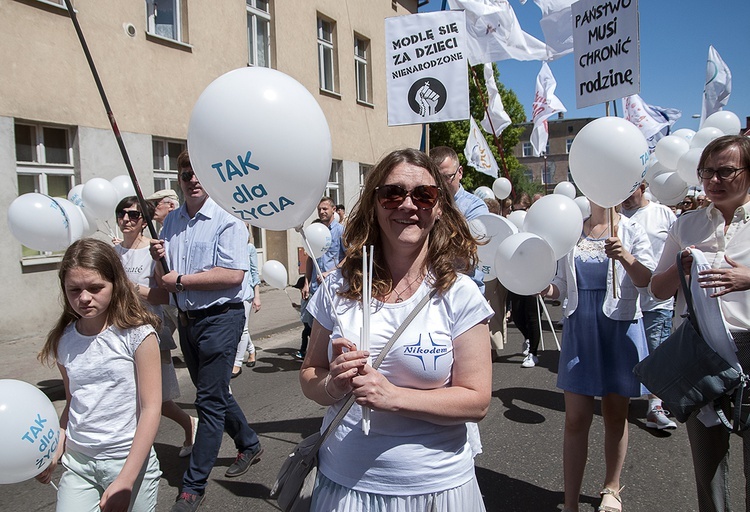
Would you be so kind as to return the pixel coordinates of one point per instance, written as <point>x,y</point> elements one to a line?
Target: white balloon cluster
<point>45,223</point>
<point>673,166</point>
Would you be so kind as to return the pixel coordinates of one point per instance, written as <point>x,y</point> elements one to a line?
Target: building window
<point>363,170</point>
<point>362,69</point>
<point>165,153</point>
<point>568,143</point>
<point>528,149</point>
<point>333,188</point>
<point>548,173</point>
<point>528,173</point>
<point>167,19</point>
<point>327,54</point>
<point>258,33</point>
<point>44,162</point>
<point>570,177</point>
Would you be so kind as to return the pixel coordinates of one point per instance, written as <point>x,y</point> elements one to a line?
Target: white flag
<point>545,105</point>
<point>493,33</point>
<point>498,115</point>
<point>477,152</point>
<point>557,26</point>
<point>653,121</point>
<point>718,84</point>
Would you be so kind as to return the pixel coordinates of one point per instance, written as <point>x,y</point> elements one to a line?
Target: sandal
<point>615,494</point>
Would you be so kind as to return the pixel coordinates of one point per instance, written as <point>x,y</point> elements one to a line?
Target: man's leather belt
<point>198,314</point>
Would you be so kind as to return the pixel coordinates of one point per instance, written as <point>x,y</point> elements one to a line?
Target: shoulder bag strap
<point>688,294</point>
<point>350,400</point>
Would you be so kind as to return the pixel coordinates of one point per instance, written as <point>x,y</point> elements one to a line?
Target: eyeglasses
<point>449,177</point>
<point>391,197</point>
<point>132,214</point>
<point>187,175</point>
<point>723,173</point>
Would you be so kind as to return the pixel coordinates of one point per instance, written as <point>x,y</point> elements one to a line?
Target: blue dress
<point>598,353</point>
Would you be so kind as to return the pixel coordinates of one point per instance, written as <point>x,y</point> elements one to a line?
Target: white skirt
<point>329,496</point>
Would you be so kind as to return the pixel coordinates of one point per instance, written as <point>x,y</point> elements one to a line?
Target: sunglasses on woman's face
<point>132,214</point>
<point>423,197</point>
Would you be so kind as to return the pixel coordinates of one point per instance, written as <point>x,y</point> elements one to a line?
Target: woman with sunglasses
<point>139,267</point>
<point>435,378</point>
<point>721,231</point>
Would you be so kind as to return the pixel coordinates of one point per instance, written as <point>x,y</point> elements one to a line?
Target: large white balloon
<point>669,149</point>
<point>557,220</point>
<point>502,188</point>
<point>274,273</point>
<point>261,147</point>
<point>705,135</point>
<point>566,188</point>
<point>726,121</point>
<point>100,197</point>
<point>29,431</point>
<point>668,188</point>
<point>525,264</point>
<point>654,169</point>
<point>492,229</point>
<point>319,238</point>
<point>123,185</point>
<point>516,217</point>
<point>484,193</point>
<point>687,166</point>
<point>685,133</point>
<point>39,222</point>
<point>77,223</point>
<point>608,160</point>
<point>584,205</point>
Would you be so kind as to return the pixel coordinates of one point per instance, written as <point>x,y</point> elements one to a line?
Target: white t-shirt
<point>104,406</point>
<point>655,219</point>
<point>402,456</point>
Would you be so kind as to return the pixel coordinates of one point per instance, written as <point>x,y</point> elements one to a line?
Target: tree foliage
<point>455,133</point>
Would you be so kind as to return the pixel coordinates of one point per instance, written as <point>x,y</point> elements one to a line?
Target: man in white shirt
<point>656,219</point>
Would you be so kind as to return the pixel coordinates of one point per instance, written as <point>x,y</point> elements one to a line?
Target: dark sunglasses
<point>724,173</point>
<point>391,197</point>
<point>132,214</point>
<point>187,175</point>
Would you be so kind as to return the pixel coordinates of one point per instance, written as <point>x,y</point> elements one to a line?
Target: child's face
<point>88,293</point>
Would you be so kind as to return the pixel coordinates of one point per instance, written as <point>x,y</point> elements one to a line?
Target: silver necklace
<point>408,286</point>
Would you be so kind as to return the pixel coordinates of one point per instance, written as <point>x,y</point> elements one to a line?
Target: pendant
<point>399,299</point>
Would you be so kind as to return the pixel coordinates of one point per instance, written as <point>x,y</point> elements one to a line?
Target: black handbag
<point>685,372</point>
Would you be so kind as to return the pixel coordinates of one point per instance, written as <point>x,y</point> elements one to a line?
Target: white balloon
<point>100,196</point>
<point>724,120</point>
<point>516,218</point>
<point>484,193</point>
<point>123,185</point>
<point>77,223</point>
<point>492,229</point>
<point>669,149</point>
<point>584,205</point>
<point>29,431</point>
<point>74,196</point>
<point>261,147</point>
<point>608,160</point>
<point>648,196</point>
<point>685,133</point>
<point>91,225</point>
<point>668,188</point>
<point>687,166</point>
<point>502,188</point>
<point>319,238</point>
<point>274,273</point>
<point>654,170</point>
<point>557,220</point>
<point>704,136</point>
<point>525,264</point>
<point>566,189</point>
<point>38,222</point>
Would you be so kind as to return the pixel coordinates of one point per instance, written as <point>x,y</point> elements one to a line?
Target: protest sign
<point>607,50</point>
<point>426,68</point>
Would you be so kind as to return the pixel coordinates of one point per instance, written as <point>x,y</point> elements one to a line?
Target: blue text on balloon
<point>233,170</point>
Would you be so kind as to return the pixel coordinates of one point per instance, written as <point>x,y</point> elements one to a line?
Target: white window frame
<point>363,170</point>
<point>255,16</point>
<point>568,143</point>
<point>152,13</point>
<point>41,170</point>
<point>334,187</point>
<point>164,176</point>
<point>528,149</point>
<point>362,67</point>
<point>327,48</point>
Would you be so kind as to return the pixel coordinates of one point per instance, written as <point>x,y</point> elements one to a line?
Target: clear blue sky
<point>674,37</point>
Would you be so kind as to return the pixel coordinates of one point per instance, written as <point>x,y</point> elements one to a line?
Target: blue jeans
<point>658,327</point>
<point>209,345</point>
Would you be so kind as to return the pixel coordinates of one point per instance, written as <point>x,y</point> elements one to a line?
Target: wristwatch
<point>178,285</point>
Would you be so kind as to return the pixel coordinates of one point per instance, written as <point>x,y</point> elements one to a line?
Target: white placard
<point>607,50</point>
<point>426,68</point>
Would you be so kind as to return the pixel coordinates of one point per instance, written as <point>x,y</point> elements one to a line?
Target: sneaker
<point>529,361</point>
<point>187,502</point>
<point>299,355</point>
<point>243,462</point>
<point>657,418</point>
<point>526,347</point>
<point>187,449</point>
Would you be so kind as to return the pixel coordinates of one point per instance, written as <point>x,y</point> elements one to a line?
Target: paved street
<point>520,469</point>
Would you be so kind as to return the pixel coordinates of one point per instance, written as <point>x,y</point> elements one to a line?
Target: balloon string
<point>53,485</point>
<point>611,221</point>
